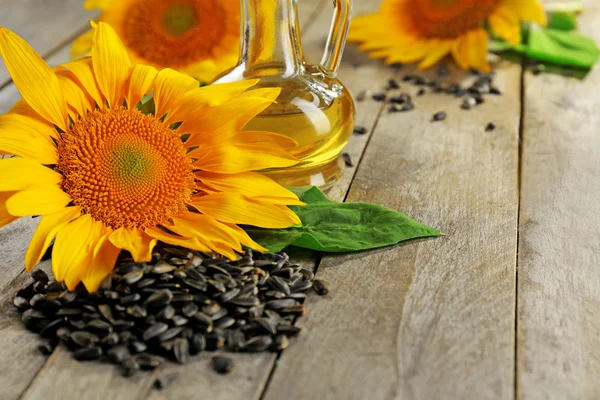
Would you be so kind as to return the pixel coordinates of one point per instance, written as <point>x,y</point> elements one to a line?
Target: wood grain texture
<point>46,25</point>
<point>559,249</point>
<point>432,319</point>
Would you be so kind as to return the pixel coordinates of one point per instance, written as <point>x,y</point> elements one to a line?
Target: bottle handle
<point>336,42</point>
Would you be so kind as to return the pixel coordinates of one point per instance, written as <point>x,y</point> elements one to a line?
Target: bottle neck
<point>270,37</point>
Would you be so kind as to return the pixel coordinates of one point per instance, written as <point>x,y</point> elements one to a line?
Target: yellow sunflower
<point>104,176</point>
<point>428,30</point>
<point>197,37</point>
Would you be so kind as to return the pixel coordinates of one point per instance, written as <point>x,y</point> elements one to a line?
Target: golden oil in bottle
<point>320,120</point>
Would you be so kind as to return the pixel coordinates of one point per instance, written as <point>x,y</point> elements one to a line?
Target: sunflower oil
<point>319,118</point>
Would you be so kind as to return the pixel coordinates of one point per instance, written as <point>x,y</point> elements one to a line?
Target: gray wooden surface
<point>506,305</point>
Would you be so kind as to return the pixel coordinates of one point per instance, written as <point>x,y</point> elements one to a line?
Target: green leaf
<point>562,48</point>
<point>341,227</point>
<point>564,21</point>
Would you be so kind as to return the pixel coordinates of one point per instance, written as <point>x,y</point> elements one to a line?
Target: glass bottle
<point>314,108</point>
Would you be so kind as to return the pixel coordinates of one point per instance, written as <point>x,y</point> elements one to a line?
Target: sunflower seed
<point>320,287</point>
<point>181,350</point>
<point>379,97</point>
<point>159,299</point>
<point>439,116</point>
<point>258,343</point>
<point>45,348</point>
<point>165,380</point>
<point>215,340</point>
<point>84,339</point>
<point>148,361</point>
<point>133,276</point>
<point>163,268</point>
<point>224,322</point>
<point>166,313</point>
<point>99,326</point>
<point>490,127</point>
<point>178,320</point>
<point>106,312</point>
<point>63,333</point>
<point>118,354</point>
<point>245,301</point>
<point>281,342</point>
<point>198,343</point>
<point>170,333</point>
<point>137,347</point>
<point>110,340</point>
<point>221,364</point>
<point>189,310</point>
<point>21,303</point>
<point>39,275</point>
<point>88,353</point>
<point>132,298</point>
<point>155,330</point>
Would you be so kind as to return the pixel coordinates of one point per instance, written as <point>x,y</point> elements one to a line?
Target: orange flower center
<point>178,33</point>
<point>447,19</point>
<point>125,168</point>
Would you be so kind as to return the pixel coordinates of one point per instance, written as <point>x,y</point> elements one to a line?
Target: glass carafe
<point>313,108</point>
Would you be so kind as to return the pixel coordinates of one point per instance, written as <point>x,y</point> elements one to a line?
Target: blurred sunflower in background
<point>426,31</point>
<point>107,172</point>
<point>197,37</point>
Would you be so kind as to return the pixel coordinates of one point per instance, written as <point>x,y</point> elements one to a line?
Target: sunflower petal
<point>45,233</point>
<point>33,77</point>
<point>244,239</point>
<point>169,88</point>
<point>159,234</point>
<point>73,248</point>
<point>84,71</point>
<point>234,115</point>
<point>5,217</point>
<point>506,24</point>
<point>14,121</point>
<point>38,200</point>
<point>27,145</point>
<point>111,63</point>
<point>104,258</point>
<point>438,52</point>
<point>74,95</point>
<point>134,241</point>
<point>140,83</point>
<point>21,173</point>
<point>238,209</point>
<point>251,184</point>
<point>202,226</point>
<point>529,10</point>
<point>82,45</point>
<point>233,159</point>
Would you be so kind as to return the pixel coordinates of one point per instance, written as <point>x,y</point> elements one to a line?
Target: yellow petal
<point>471,49</point>
<point>74,95</point>
<point>244,239</point>
<point>14,121</point>
<point>82,45</point>
<point>134,241</point>
<point>233,115</point>
<point>111,63</point>
<point>505,23</point>
<point>94,4</point>
<point>21,173</point>
<point>103,262</point>
<point>204,227</point>
<point>140,83</point>
<point>33,77</point>
<point>73,249</point>
<point>529,10</point>
<point>84,72</point>
<point>5,217</point>
<point>169,88</point>
<point>159,234</point>
<point>38,200</point>
<point>250,184</point>
<point>28,145</point>
<point>45,233</point>
<point>238,209</point>
<point>435,55</point>
<point>233,159</point>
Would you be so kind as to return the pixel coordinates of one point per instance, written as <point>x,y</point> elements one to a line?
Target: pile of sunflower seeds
<point>178,305</point>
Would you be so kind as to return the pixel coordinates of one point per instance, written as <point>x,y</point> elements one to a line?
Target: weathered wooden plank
<point>432,319</point>
<point>46,25</point>
<point>558,324</point>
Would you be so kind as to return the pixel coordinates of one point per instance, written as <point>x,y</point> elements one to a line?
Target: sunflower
<point>428,30</point>
<point>105,176</point>
<point>197,37</point>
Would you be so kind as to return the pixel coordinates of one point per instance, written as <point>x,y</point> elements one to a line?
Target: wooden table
<point>506,305</point>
